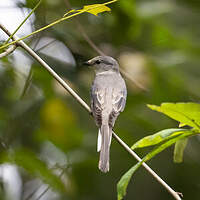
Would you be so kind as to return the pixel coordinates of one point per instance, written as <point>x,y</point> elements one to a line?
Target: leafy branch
<point>93,9</point>
<point>187,114</point>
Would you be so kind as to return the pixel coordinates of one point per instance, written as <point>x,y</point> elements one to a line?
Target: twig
<point>46,45</point>
<point>27,83</point>
<point>32,194</point>
<point>62,82</point>
<point>43,193</point>
<point>87,38</point>
<point>8,51</point>
<point>139,85</point>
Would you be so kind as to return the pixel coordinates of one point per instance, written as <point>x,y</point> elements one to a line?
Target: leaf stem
<point>8,51</point>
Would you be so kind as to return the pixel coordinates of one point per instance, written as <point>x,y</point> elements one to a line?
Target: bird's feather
<point>99,141</point>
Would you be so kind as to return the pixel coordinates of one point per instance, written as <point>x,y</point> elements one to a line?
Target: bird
<point>108,99</point>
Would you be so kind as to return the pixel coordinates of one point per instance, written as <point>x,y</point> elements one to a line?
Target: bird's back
<point>109,80</point>
<point>107,90</point>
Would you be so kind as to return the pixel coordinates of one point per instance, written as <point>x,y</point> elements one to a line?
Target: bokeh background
<point>48,141</point>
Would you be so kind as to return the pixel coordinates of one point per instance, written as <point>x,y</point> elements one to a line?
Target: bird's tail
<point>104,146</point>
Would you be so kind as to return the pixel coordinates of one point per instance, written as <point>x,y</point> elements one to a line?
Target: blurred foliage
<point>57,123</point>
<point>27,160</point>
<point>156,43</point>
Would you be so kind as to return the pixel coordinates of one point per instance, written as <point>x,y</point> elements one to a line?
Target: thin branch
<point>46,45</point>
<point>87,38</point>
<point>32,194</point>
<point>8,51</point>
<point>139,85</point>
<point>62,82</point>
<point>27,83</point>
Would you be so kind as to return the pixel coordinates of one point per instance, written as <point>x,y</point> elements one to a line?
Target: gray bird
<point>108,99</point>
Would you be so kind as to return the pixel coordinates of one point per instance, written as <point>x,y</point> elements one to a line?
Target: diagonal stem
<point>33,10</point>
<point>78,98</point>
<point>8,51</point>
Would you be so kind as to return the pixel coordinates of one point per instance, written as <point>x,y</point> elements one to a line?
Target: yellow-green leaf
<point>159,137</point>
<point>71,11</point>
<point>185,113</point>
<point>123,183</point>
<point>181,125</point>
<point>94,9</point>
<point>179,150</point>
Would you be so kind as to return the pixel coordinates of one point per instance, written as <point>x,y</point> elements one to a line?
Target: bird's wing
<point>119,100</point>
<point>97,102</point>
<point>98,98</point>
<point>118,104</point>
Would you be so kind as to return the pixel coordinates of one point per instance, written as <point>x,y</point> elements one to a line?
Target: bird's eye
<point>98,62</point>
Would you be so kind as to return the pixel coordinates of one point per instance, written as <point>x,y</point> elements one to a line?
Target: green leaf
<point>123,183</point>
<point>185,113</point>
<point>181,125</point>
<point>28,160</point>
<point>159,137</point>
<point>179,150</point>
<point>94,9</point>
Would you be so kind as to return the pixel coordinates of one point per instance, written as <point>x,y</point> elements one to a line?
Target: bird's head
<point>103,64</point>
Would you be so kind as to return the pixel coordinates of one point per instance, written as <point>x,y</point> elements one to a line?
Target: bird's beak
<point>88,63</point>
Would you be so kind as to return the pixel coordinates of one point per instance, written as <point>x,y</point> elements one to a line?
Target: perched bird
<point>108,99</point>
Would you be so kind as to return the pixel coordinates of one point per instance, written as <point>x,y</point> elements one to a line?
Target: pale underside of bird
<point>108,99</point>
